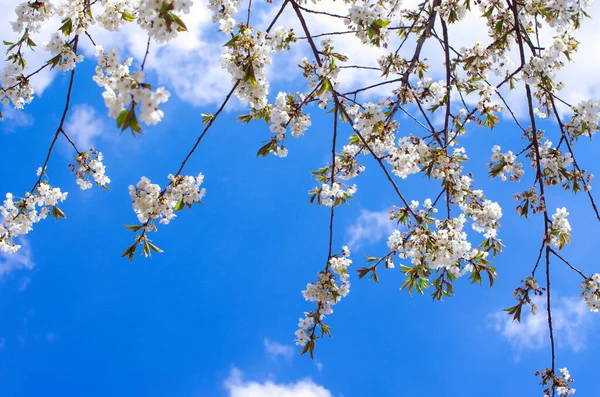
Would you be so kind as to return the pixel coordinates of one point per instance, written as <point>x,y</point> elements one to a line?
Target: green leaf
<point>249,75</point>
<point>57,213</point>
<point>128,17</point>
<point>130,251</point>
<point>264,151</point>
<point>121,118</point>
<point>154,247</point>
<point>55,61</point>
<point>207,118</point>
<point>380,23</point>
<point>179,22</point>
<point>179,206</point>
<point>231,42</point>
<point>67,26</point>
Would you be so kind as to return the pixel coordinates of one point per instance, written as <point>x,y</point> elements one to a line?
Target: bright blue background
<point>93,324</point>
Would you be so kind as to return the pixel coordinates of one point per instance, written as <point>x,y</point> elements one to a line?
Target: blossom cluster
<point>346,164</point>
<point>15,87</point>
<point>323,77</point>
<point>332,285</point>
<point>560,229</point>
<point>89,167</point>
<point>19,215</point>
<point>116,14</point>
<point>32,15</point>
<point>245,58</point>
<point>523,295</point>
<point>124,89</point>
<point>150,203</point>
<point>505,164</point>
<point>65,55</point>
<point>484,213</point>
<point>559,383</point>
<point>565,390</point>
<point>445,247</point>
<point>334,194</point>
<point>224,11</point>
<point>369,21</point>
<point>591,292</point>
<point>552,161</point>
<point>161,18</point>
<point>586,118</point>
<point>287,111</point>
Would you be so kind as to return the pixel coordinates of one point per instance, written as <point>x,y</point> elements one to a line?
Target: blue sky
<point>214,315</point>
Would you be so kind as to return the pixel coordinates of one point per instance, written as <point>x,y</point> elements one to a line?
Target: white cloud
<point>84,126</point>
<point>369,228</point>
<point>570,321</point>
<point>190,65</point>
<point>274,349</point>
<point>13,118</point>
<point>24,284</point>
<point>22,259</point>
<point>236,386</point>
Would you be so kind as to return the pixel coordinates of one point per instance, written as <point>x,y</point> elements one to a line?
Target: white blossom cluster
<point>78,12</point>
<point>591,292</point>
<point>287,111</point>
<point>123,89</point>
<point>150,203</point>
<point>552,161</point>
<point>336,193</point>
<point>406,158</point>
<point>431,92</point>
<point>19,215</point>
<point>114,15</point>
<point>586,118</point>
<point>332,285</point>
<point>324,77</point>
<point>161,17</point>
<point>484,213</point>
<point>531,284</point>
<point>367,19</point>
<point>90,167</point>
<point>452,10</point>
<point>68,58</point>
<point>368,123</point>
<point>224,11</point>
<point>567,390</point>
<point>346,164</point>
<point>564,16</point>
<point>32,15</point>
<point>505,164</point>
<point>15,88</point>
<point>245,58</point>
<point>560,228</point>
<point>447,247</point>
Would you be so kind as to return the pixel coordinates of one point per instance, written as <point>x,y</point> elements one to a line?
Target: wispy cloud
<point>22,259</point>
<point>571,323</point>
<point>369,228</point>
<point>24,284</point>
<point>13,118</point>
<point>274,349</point>
<point>236,386</point>
<point>84,126</point>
